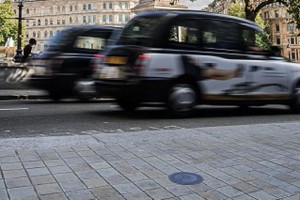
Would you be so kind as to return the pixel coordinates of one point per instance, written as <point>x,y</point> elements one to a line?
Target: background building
<point>283,32</point>
<point>45,18</point>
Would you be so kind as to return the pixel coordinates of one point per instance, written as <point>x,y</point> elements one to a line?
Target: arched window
<point>39,22</point>
<point>33,34</point>
<point>70,20</point>
<point>71,8</point>
<point>46,22</point>
<point>104,18</point>
<point>51,34</point>
<point>120,5</point>
<point>110,5</point>
<point>104,5</point>
<point>126,5</point>
<point>51,21</point>
<point>63,9</point>
<point>27,11</point>
<point>45,34</point>
<point>38,34</point>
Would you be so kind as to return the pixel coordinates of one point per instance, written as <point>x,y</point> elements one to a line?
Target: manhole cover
<point>186,178</point>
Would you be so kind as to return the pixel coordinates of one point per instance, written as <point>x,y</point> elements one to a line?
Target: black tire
<point>295,102</point>
<point>181,100</point>
<point>55,96</point>
<point>128,105</point>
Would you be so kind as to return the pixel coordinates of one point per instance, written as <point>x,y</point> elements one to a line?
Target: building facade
<point>45,18</point>
<point>283,32</point>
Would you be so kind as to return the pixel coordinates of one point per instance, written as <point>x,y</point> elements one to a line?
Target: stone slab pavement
<point>259,162</point>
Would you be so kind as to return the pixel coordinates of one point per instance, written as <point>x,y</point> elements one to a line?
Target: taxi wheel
<point>182,100</point>
<point>295,104</point>
<point>56,96</point>
<point>127,105</point>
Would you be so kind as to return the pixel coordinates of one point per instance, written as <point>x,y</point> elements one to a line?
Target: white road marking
<point>13,109</point>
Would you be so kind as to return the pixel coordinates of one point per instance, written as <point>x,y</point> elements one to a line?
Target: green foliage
<point>8,26</point>
<point>294,10</point>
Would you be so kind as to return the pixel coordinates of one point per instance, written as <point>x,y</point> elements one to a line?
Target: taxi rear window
<point>138,31</point>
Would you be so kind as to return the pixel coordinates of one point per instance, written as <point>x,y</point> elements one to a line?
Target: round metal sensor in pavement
<point>186,178</point>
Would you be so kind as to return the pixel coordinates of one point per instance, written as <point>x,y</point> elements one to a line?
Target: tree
<point>252,8</point>
<point>262,39</point>
<point>8,26</point>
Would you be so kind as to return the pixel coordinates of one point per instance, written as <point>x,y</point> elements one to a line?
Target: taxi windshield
<point>139,31</point>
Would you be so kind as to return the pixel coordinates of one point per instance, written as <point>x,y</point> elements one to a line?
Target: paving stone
<point>85,152</point>
<point>58,196</point>
<point>191,197</point>
<point>117,179</point>
<point>17,182</point>
<point>147,185</point>
<point>80,195</point>
<point>11,166</point>
<point>80,167</point>
<point>21,193</point>
<point>53,163</point>
<point>94,182</point>
<point>14,173</point>
<point>100,165</point>
<point>43,179</point>
<point>66,155</point>
<point>62,169</point>
<point>136,177</point>
<point>137,196</point>
<point>29,158</point>
<point>5,160</point>
<point>105,191</point>
<point>243,197</point>
<point>229,191</point>
<point>108,172</point>
<point>7,153</point>
<point>38,171</point>
<point>245,187</point>
<point>159,194</point>
<point>73,185</point>
<point>179,190</point>
<point>3,195</point>
<point>48,189</point>
<point>74,161</point>
<point>279,193</point>
<point>34,164</point>
<point>92,159</point>
<point>154,173</point>
<point>2,185</point>
<point>212,194</point>
<point>262,195</point>
<point>66,177</point>
<point>126,188</point>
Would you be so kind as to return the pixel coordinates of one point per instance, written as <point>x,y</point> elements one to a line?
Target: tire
<point>128,105</point>
<point>295,103</point>
<point>55,96</point>
<point>181,100</point>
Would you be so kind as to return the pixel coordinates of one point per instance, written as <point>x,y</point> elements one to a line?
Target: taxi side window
<point>220,35</point>
<point>184,35</point>
<point>89,42</point>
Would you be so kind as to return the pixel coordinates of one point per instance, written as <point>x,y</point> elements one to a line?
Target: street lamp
<point>18,56</point>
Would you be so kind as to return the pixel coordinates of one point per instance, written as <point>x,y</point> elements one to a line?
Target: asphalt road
<point>26,118</point>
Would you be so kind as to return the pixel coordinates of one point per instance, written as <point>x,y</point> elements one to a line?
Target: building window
<point>46,22</point>
<point>58,22</point>
<point>84,7</point>
<point>39,22</point>
<point>120,5</point>
<point>276,12</point>
<point>293,55</point>
<point>70,20</point>
<point>51,34</point>
<point>89,19</point>
<point>63,9</point>
<point>76,7</point>
<point>292,40</point>
<point>33,23</point>
<point>127,18</point>
<point>126,5</point>
<point>27,11</point>
<point>34,34</point>
<point>110,6</point>
<point>277,28</point>
<point>51,22</point>
<point>89,6</point>
<point>277,39</point>
<point>104,18</point>
<point>71,8</point>
<point>51,10</point>
<point>110,18</point>
<point>58,9</point>
<point>104,5</point>
<point>291,27</point>
<point>38,34</point>
<point>45,34</point>
<point>120,18</point>
<point>63,21</point>
<point>84,19</point>
<point>94,18</point>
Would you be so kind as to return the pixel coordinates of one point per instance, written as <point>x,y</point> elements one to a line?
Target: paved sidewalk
<point>238,162</point>
<point>11,94</point>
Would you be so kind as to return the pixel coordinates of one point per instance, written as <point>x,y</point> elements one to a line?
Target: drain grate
<point>186,178</point>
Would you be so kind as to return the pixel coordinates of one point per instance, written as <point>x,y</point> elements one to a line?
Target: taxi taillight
<point>140,63</point>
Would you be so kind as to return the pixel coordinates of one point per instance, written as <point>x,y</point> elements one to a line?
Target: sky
<point>196,5</point>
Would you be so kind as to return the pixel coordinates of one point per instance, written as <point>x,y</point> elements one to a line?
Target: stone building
<point>283,32</point>
<point>43,18</point>
<point>148,5</point>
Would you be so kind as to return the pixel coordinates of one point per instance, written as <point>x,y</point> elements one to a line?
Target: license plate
<point>115,60</point>
<point>111,73</point>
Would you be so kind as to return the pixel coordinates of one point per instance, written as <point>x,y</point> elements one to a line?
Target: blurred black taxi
<point>64,68</point>
<point>186,58</point>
